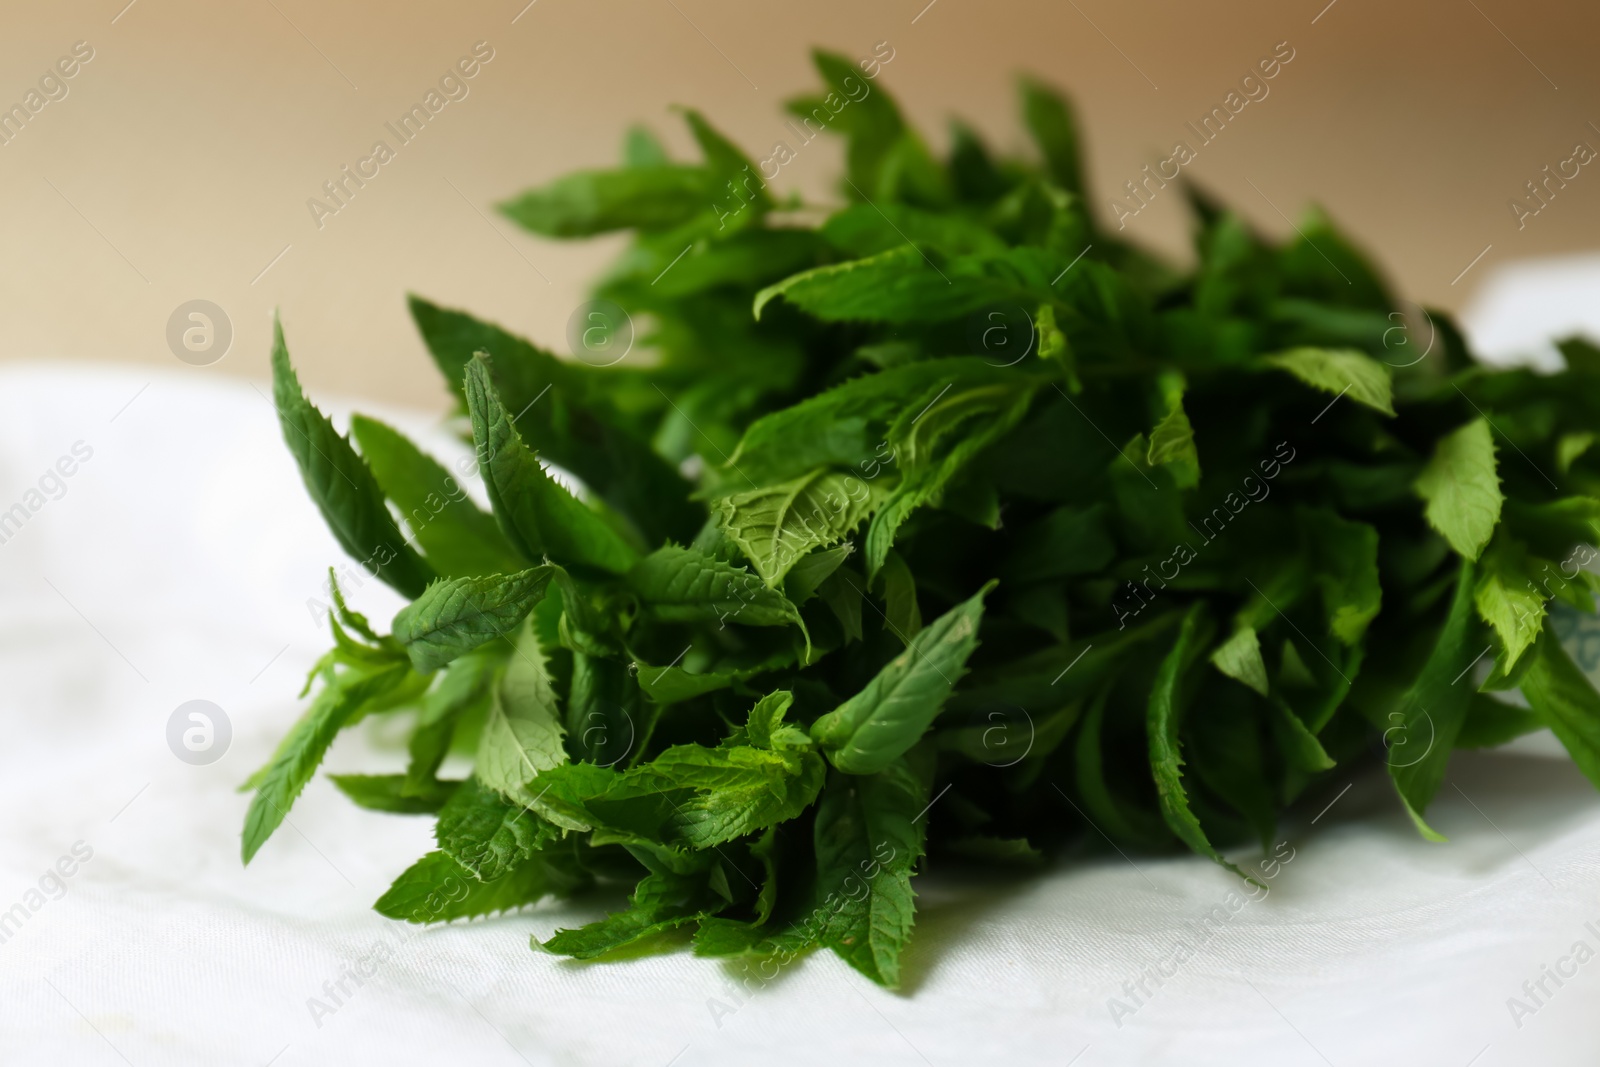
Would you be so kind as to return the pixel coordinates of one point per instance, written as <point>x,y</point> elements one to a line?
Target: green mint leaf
<point>657,197</point>
<point>719,794</point>
<point>437,889</point>
<point>848,426</point>
<point>673,685</point>
<point>453,616</point>
<point>344,696</point>
<point>863,230</point>
<point>1422,728</point>
<point>462,688</point>
<point>776,526</point>
<point>641,148</point>
<point>739,190</point>
<point>1565,701</point>
<point>1172,439</point>
<point>537,514</point>
<point>810,571</point>
<point>661,902</point>
<point>870,834</point>
<point>1050,120</point>
<point>680,583</point>
<point>341,484</point>
<point>1239,657</point>
<point>522,731</point>
<point>1507,598</point>
<point>1491,723</point>
<point>488,835</point>
<point>897,587</point>
<point>1297,741</point>
<point>936,444</point>
<point>766,719</point>
<point>606,720</point>
<point>388,792</point>
<point>1120,819</point>
<point>1462,489</point>
<point>892,711</point>
<point>1163,722</point>
<point>565,412</point>
<point>909,285</point>
<point>455,536</point>
<point>1346,571</point>
<point>861,109</point>
<point>1339,371</point>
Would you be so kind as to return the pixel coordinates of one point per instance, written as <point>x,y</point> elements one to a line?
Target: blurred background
<point>177,160</point>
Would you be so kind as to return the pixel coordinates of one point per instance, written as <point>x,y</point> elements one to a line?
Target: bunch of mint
<point>950,527</point>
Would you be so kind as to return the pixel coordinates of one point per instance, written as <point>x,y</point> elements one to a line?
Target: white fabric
<point>177,566</point>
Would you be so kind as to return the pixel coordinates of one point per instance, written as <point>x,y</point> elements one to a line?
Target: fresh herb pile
<point>950,526</point>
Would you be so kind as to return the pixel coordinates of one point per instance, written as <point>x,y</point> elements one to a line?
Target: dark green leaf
<point>890,714</point>
<point>341,484</point>
<point>536,513</point>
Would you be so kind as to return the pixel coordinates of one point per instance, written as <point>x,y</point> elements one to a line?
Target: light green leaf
<point>522,732</point>
<point>670,685</point>
<point>662,901</point>
<point>691,796</point>
<point>1172,440</point>
<point>766,719</point>
<point>727,164</point>
<point>1462,489</point>
<point>847,427</point>
<point>1569,446</point>
<point>345,695</point>
<point>567,412</point>
<point>1336,370</point>
<point>726,792</point>
<point>868,837</point>
<point>1239,657</point>
<point>1507,599</point>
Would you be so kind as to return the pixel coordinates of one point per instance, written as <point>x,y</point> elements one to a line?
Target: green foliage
<point>945,527</point>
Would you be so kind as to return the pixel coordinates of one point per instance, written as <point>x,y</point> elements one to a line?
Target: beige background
<point>179,165</point>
